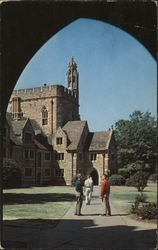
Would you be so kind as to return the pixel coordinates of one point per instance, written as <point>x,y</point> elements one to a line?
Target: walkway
<point>90,231</point>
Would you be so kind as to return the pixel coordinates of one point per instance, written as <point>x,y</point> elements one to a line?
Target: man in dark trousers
<point>79,194</point>
<point>104,195</point>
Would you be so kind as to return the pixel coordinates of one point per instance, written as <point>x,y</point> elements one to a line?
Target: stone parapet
<point>43,92</point>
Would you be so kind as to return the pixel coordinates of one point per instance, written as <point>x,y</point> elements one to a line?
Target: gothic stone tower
<point>72,80</point>
<point>51,106</point>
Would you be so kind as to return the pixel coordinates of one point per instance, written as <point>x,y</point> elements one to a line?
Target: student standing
<point>79,194</point>
<point>104,195</point>
<point>88,184</point>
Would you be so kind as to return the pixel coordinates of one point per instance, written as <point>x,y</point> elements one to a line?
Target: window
<point>59,156</point>
<point>28,171</point>
<point>93,157</point>
<point>47,172</point>
<point>47,156</point>
<point>44,116</point>
<point>26,153</point>
<point>29,154</point>
<point>59,173</point>
<point>39,159</point>
<point>59,141</point>
<point>28,137</point>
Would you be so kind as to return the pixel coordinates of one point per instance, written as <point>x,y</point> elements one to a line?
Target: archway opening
<point>95,176</point>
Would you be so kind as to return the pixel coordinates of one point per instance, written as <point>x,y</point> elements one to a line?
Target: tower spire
<point>72,78</point>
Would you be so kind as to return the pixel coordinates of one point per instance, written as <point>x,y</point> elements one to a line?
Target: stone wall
<point>60,103</point>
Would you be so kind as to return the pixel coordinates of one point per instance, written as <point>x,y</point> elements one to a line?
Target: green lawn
<point>37,203</point>
<point>123,197</point>
<point>51,203</point>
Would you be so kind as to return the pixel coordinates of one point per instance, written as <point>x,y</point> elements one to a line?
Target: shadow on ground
<point>10,198</point>
<point>85,234</point>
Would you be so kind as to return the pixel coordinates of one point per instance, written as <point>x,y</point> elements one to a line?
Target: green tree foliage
<point>11,174</point>
<point>140,180</point>
<point>136,141</point>
<point>117,180</point>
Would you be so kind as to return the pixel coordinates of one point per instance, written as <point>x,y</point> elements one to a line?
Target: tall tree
<point>136,139</point>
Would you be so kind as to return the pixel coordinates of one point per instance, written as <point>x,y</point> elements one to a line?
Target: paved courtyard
<point>89,231</point>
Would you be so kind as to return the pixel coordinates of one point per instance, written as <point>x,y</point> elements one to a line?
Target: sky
<point>117,74</point>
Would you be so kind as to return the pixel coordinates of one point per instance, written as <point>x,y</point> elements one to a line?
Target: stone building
<point>49,141</point>
<point>28,146</point>
<point>76,150</point>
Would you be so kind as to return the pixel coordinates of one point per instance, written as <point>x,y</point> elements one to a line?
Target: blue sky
<point>117,75</point>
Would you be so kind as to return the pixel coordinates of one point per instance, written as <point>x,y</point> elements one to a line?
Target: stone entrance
<point>95,176</point>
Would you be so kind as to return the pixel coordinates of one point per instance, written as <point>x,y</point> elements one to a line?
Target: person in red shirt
<point>104,195</point>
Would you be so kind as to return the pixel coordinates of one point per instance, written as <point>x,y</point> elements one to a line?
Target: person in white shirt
<point>88,186</point>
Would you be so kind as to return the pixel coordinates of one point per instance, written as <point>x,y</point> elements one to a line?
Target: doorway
<point>95,177</point>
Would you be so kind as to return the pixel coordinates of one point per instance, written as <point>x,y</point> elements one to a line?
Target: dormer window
<point>59,141</point>
<point>93,157</point>
<point>44,116</point>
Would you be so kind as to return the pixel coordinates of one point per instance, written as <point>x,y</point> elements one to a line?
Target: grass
<point>36,203</point>
<point>123,197</point>
<point>51,203</point>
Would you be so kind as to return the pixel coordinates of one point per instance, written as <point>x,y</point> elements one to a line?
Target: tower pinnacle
<point>72,78</point>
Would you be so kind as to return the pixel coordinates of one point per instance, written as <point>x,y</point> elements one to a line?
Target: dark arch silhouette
<point>26,26</point>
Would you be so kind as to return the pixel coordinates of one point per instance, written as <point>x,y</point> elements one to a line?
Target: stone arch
<point>23,33</point>
<point>94,172</point>
<point>21,30</point>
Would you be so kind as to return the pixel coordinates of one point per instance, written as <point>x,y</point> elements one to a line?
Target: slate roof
<point>39,145</point>
<point>41,142</point>
<point>98,141</point>
<point>74,130</point>
<point>15,133</point>
<point>16,127</point>
<point>36,127</point>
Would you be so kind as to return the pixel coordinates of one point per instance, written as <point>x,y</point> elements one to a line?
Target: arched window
<point>44,116</point>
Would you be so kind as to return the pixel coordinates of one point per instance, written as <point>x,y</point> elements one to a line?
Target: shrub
<point>11,174</point>
<point>147,211</point>
<point>140,197</point>
<point>117,180</point>
<point>124,172</point>
<point>153,177</point>
<point>134,207</point>
<point>130,182</point>
<point>132,168</point>
<point>140,179</point>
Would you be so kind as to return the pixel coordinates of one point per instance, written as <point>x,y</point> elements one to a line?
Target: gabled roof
<point>18,126</point>
<point>98,141</point>
<point>39,145</point>
<point>15,132</point>
<point>74,130</point>
<point>36,127</point>
<point>41,141</point>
